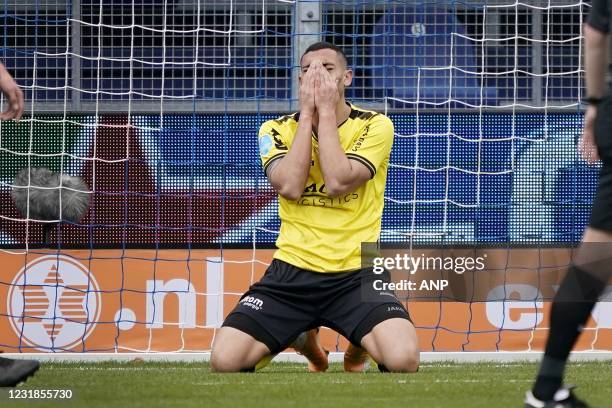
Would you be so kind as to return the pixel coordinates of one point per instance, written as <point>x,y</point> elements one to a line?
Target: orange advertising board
<point>173,300</point>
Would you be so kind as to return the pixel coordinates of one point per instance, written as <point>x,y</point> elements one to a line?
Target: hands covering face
<point>318,89</point>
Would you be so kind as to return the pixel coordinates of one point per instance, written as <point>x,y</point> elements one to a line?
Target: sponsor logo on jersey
<point>325,201</point>
<point>361,139</point>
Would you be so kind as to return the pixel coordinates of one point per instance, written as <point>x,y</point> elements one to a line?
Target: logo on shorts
<point>252,302</point>
<point>394,309</point>
<point>387,294</point>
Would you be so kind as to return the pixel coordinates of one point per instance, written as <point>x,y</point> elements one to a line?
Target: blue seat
<point>510,86</point>
<point>414,50</point>
<point>251,73</point>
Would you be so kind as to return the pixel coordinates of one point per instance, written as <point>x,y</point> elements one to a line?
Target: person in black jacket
<point>586,279</point>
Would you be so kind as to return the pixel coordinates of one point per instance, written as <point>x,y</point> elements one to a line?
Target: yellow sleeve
<point>373,145</point>
<point>272,143</point>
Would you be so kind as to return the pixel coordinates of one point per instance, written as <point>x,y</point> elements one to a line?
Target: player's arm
<point>596,63</point>
<point>13,94</point>
<point>341,174</point>
<point>596,44</point>
<point>288,175</point>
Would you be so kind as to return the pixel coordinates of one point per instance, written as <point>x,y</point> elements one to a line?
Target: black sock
<point>571,307</point>
<point>550,378</point>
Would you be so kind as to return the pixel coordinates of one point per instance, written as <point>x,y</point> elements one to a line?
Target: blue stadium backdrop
<point>198,180</point>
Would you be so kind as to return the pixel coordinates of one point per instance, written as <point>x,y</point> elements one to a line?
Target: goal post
<point>156,105</point>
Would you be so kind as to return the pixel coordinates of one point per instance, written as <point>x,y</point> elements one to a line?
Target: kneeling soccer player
<point>328,162</point>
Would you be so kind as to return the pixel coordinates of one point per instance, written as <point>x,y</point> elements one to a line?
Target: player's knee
<point>404,361</point>
<point>224,358</point>
<point>221,362</point>
<point>403,365</point>
<point>234,350</point>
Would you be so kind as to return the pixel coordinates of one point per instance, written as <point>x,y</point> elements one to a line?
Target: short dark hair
<point>322,45</point>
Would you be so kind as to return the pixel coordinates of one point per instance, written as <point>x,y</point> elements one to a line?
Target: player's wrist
<point>590,114</point>
<point>306,114</point>
<point>327,113</point>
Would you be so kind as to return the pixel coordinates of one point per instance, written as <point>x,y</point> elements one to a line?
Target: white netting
<point>156,104</point>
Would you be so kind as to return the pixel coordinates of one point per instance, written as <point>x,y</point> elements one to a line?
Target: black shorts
<point>601,214</point>
<point>289,300</point>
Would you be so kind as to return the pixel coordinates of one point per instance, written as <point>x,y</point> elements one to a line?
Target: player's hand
<point>13,95</point>
<point>307,92</point>
<point>326,90</point>
<point>587,146</point>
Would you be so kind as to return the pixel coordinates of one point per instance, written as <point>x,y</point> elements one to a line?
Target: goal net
<point>156,105</point>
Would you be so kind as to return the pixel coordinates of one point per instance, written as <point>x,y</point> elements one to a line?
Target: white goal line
<point>334,357</point>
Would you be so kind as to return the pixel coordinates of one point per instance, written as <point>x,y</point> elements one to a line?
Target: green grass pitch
<point>155,384</point>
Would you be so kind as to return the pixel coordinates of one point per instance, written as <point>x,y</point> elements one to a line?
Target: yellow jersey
<point>321,233</point>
